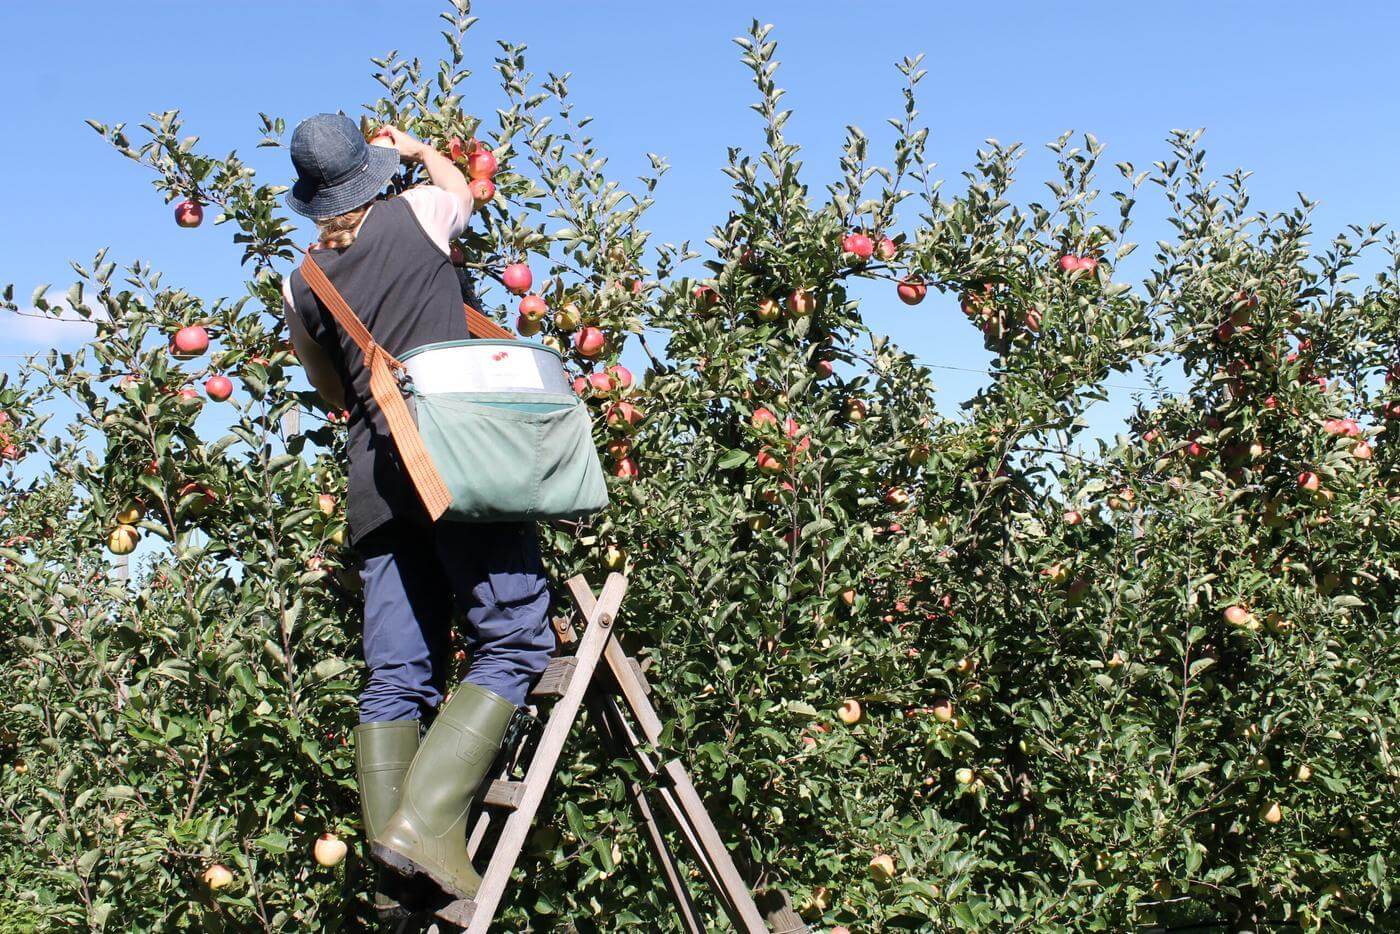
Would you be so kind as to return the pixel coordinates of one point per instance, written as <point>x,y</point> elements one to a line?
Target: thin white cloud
<point>36,332</point>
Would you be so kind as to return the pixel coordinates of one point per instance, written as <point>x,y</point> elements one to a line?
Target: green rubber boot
<point>427,836</point>
<point>383,752</point>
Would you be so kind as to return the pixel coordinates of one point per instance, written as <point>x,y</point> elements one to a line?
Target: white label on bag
<point>487,367</point>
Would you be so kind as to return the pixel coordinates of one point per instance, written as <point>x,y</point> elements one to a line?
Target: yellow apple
<point>850,712</point>
<point>122,540</point>
<point>217,876</point>
<point>329,850</point>
<point>882,867</point>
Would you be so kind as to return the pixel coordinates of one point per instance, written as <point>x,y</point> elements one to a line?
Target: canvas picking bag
<point>498,436</point>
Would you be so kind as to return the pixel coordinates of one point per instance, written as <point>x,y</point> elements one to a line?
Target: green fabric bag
<point>513,456</point>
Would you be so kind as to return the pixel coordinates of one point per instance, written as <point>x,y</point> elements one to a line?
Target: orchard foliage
<point>980,673</point>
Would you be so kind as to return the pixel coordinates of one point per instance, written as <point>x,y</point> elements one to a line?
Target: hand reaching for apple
<point>441,170</point>
<point>410,149</point>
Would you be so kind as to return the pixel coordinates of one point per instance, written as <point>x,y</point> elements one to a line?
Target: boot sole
<point>408,868</point>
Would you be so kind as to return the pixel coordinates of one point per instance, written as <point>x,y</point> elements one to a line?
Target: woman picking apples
<point>390,259</point>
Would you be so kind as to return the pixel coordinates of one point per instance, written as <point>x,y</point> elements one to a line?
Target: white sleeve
<point>441,214</point>
<point>287,293</point>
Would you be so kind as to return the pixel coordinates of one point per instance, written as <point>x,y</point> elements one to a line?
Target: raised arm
<point>441,171</point>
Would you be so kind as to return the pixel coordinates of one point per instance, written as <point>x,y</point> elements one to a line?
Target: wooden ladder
<point>576,682</point>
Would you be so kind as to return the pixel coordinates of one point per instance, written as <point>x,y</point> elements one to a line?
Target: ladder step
<point>504,793</point>
<point>555,680</point>
<point>637,670</point>
<point>458,912</point>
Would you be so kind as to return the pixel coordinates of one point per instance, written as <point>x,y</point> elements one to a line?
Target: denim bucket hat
<point>337,171</point>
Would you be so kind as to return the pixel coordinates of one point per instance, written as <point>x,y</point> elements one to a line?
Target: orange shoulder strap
<point>385,389</point>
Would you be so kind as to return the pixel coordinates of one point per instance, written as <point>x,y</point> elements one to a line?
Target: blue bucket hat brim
<point>319,202</point>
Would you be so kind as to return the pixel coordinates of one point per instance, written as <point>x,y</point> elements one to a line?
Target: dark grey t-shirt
<point>407,292</point>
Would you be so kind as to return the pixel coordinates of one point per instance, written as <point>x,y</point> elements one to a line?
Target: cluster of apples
<point>8,449</point>
<point>1349,428</point>
<point>1074,262</point>
<point>780,448</point>
<point>979,304</point>
<point>482,166</point>
<point>588,341</point>
<point>191,341</point>
<point>858,248</point>
<point>622,415</point>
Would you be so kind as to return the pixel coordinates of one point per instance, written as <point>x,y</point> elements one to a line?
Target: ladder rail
<point>597,633</point>
<point>602,677</point>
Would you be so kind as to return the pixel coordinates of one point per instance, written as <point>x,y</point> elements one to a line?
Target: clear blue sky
<point>1303,94</point>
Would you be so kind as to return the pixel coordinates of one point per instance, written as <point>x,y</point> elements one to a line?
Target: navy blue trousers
<point>414,576</point>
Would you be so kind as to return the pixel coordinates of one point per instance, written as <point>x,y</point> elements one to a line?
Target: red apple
<point>1088,263</point>
<point>589,342</point>
<point>911,291</point>
<point>1237,615</point>
<point>855,410</point>
<point>483,190</point>
<point>517,278</point>
<point>454,149</point>
<point>705,296</point>
<point>626,469</point>
<point>1069,262</point>
<point>533,307</point>
<point>802,302</point>
<point>1362,451</point>
<point>481,163</point>
<point>580,385</point>
<point>942,710</point>
<point>762,418</point>
<point>621,376</point>
<point>1073,517</point>
<point>600,382</point>
<point>1309,481</point>
<point>769,464</point>
<point>189,214</point>
<point>382,138</point>
<point>822,368</point>
<point>190,341</point>
<point>618,448</point>
<point>858,245</point>
<point>218,387</point>
<point>886,249</point>
<point>623,417</point>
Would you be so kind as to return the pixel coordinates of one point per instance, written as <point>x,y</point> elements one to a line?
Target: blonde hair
<point>339,232</point>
